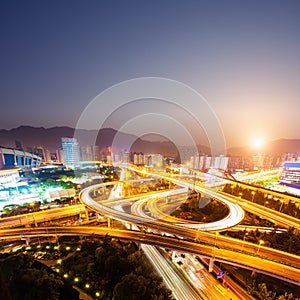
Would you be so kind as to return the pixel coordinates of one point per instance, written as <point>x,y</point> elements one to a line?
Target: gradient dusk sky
<point>242,56</point>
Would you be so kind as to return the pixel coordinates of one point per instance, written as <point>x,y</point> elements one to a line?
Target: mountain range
<point>50,138</point>
<point>273,147</point>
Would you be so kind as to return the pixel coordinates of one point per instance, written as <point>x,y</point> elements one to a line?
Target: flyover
<point>262,211</point>
<point>251,262</point>
<point>222,248</point>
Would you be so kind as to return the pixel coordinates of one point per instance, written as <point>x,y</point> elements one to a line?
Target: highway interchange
<point>150,211</point>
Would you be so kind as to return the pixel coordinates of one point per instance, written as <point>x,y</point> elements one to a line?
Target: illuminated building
<point>154,160</point>
<point>96,152</point>
<point>9,177</point>
<point>60,156</point>
<point>125,156</point>
<point>290,175</point>
<point>71,152</point>
<point>220,162</point>
<point>138,159</point>
<point>86,153</point>
<point>11,158</point>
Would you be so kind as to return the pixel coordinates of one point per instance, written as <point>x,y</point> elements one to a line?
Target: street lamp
<point>215,244</point>
<point>261,242</point>
<point>244,239</point>
<point>252,193</point>
<point>217,234</point>
<point>282,201</point>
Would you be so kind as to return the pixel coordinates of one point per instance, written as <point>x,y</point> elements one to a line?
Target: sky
<point>243,57</point>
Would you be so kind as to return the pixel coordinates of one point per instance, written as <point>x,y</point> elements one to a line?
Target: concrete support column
<point>211,264</point>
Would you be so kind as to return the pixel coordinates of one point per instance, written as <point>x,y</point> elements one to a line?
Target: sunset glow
<point>258,143</point>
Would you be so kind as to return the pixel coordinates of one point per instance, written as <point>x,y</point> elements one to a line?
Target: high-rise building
<point>71,152</point>
<point>194,162</point>
<point>200,162</point>
<point>154,160</point>
<point>186,153</point>
<point>108,159</point>
<point>47,157</point>
<point>125,156</point>
<point>117,158</point>
<point>220,162</point>
<point>207,162</point>
<point>96,152</point>
<point>60,156</point>
<point>138,159</point>
<point>86,153</point>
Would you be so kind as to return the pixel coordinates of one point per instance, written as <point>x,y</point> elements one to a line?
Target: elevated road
<point>274,216</point>
<point>240,252</point>
<point>42,216</point>
<point>173,279</point>
<point>235,216</point>
<point>264,212</point>
<point>255,263</point>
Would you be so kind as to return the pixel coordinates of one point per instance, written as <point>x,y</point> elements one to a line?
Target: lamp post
<point>215,244</point>
<point>261,242</point>
<point>282,201</point>
<point>252,193</point>
<point>244,239</point>
<point>240,196</point>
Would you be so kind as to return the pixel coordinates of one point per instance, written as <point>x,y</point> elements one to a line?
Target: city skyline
<point>243,58</point>
<point>149,150</point>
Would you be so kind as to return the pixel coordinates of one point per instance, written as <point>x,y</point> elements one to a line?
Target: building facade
<point>290,175</point>
<point>12,158</point>
<point>70,148</point>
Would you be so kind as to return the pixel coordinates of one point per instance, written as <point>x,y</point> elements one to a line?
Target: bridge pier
<point>211,264</point>
<point>99,217</point>
<point>84,215</point>
<point>87,214</point>
<point>139,246</point>
<point>57,239</point>
<point>27,240</point>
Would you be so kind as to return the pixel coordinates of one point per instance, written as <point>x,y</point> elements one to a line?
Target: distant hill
<point>35,136</point>
<point>50,138</point>
<point>273,147</point>
<point>283,146</point>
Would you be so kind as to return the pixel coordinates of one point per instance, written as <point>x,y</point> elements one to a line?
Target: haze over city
<point>242,57</point>
<point>149,150</point>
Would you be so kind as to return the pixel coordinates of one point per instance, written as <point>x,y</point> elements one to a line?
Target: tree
<point>27,279</point>
<point>129,287</point>
<point>264,294</point>
<point>286,296</point>
<point>138,287</point>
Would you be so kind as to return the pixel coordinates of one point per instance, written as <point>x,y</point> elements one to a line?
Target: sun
<point>258,143</point>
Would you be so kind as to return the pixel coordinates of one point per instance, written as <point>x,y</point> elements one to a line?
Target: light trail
<point>251,262</point>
